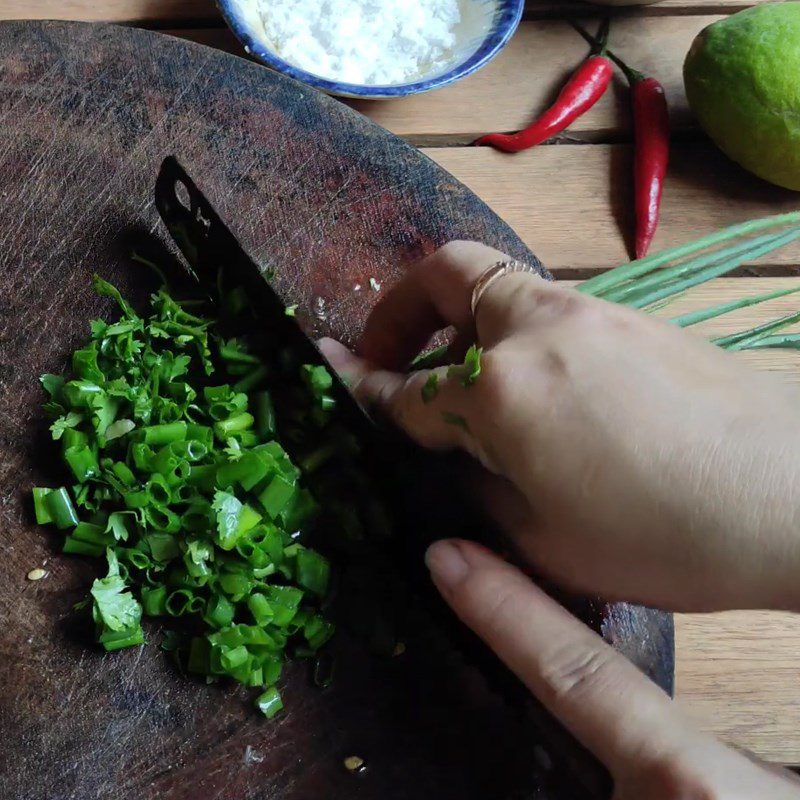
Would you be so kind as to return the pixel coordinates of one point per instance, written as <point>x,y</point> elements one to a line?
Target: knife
<point>406,479</point>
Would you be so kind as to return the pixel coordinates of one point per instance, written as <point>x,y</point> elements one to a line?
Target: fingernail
<point>446,564</point>
<point>338,355</point>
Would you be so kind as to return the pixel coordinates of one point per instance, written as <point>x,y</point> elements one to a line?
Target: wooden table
<point>739,672</point>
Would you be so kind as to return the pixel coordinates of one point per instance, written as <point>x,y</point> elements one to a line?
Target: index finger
<point>608,705</point>
<point>434,294</point>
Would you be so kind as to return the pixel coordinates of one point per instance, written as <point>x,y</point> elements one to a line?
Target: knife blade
<point>406,479</point>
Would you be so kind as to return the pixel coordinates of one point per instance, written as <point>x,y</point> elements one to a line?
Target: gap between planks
<point>168,12</point>
<point>574,210</point>
<point>525,78</point>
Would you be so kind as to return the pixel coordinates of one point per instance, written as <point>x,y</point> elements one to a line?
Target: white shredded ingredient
<point>252,756</point>
<point>368,42</point>
<point>374,285</point>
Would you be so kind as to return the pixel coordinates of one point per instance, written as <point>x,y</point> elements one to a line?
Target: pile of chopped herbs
<point>178,481</point>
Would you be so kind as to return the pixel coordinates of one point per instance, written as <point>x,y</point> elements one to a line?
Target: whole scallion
<point>650,282</point>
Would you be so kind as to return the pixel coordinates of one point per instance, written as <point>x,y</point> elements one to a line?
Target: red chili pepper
<point>586,86</point>
<point>651,134</point>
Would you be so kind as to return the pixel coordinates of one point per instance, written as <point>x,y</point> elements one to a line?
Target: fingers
<point>437,292</point>
<point>434,294</point>
<point>608,705</point>
<point>439,422</point>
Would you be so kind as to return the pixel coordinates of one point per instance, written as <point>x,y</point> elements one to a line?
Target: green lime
<point>742,79</point>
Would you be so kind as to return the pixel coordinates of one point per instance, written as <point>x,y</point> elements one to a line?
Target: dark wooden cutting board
<point>329,200</point>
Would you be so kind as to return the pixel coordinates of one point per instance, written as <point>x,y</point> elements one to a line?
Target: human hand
<point>636,731</point>
<point>624,456</point>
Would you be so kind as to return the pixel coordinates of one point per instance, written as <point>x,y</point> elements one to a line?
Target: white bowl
<point>484,31</point>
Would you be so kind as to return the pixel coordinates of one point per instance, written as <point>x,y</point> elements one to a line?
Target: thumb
<point>596,693</point>
<point>436,417</point>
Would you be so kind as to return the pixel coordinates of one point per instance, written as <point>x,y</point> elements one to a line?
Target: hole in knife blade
<point>204,221</point>
<point>182,194</point>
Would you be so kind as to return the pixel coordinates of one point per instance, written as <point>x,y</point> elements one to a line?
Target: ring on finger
<point>493,274</point>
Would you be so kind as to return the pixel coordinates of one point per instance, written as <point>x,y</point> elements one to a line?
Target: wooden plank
<point>738,675</point>
<point>165,10</point>
<point>527,75</point>
<point>525,78</point>
<point>140,11</point>
<point>511,90</point>
<point>686,7</point>
<point>572,204</point>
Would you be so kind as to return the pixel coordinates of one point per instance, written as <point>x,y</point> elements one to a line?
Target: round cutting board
<point>328,200</point>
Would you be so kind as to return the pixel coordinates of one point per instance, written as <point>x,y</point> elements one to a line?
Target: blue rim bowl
<point>505,19</point>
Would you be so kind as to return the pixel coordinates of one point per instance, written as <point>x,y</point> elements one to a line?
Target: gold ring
<point>492,274</point>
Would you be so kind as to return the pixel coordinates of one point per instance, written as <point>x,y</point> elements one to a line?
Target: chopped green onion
<point>196,507</point>
<point>470,370</point>
<point>252,379</point>
<point>236,424</point>
<point>92,534</point>
<point>264,414</point>
<point>154,601</point>
<point>269,703</point>
<point>313,571</point>
<point>60,509</point>
<point>277,496</point>
<point>156,435</point>
<point>40,506</point>
<point>436,357</point>
<point>77,547</point>
<point>219,611</point>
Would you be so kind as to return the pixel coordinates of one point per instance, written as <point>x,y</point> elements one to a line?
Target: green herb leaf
<point>470,370</point>
<point>228,510</point>
<point>431,388</point>
<point>116,608</point>
<point>70,420</point>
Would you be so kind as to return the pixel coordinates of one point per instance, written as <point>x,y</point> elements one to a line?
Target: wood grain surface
<point>156,10</point>
<point>575,208</point>
<point>738,675</point>
<point>756,702</point>
<point>526,77</point>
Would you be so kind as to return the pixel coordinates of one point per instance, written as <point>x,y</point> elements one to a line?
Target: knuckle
<point>400,406</point>
<point>577,669</point>
<point>494,388</point>
<point>563,302</point>
<point>464,248</point>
